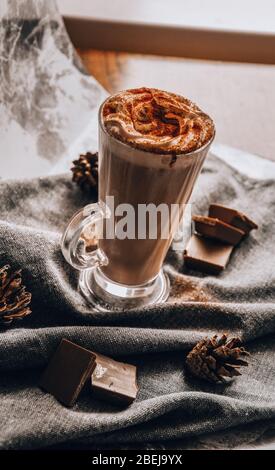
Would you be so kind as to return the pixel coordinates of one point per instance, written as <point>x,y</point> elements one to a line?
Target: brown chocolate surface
<point>114,381</point>
<point>157,121</point>
<point>215,228</point>
<point>232,217</point>
<point>67,372</point>
<point>207,255</point>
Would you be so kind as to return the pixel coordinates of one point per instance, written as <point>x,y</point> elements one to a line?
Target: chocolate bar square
<point>232,217</point>
<point>114,381</point>
<point>215,228</point>
<point>206,255</point>
<point>67,372</point>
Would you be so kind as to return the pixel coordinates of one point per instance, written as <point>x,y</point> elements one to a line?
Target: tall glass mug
<point>119,244</point>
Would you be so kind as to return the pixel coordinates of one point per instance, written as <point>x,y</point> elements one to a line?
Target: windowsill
<point>247,16</point>
<point>140,28</point>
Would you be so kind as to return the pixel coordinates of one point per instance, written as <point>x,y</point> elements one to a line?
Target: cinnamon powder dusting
<point>157,121</point>
<point>188,290</point>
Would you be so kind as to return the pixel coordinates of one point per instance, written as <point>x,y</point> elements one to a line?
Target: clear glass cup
<point>122,268</point>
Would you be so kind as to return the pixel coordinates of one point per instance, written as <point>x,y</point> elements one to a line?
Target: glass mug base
<point>106,295</point>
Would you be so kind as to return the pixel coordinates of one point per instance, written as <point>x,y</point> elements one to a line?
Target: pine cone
<point>14,299</point>
<point>85,171</point>
<point>216,358</point>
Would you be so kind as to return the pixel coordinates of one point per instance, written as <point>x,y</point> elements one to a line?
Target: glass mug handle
<point>89,219</point>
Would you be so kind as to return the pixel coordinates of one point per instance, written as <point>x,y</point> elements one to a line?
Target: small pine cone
<point>216,358</point>
<point>14,300</point>
<point>85,171</point>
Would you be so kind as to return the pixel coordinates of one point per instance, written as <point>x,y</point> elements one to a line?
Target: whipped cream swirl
<point>157,121</point>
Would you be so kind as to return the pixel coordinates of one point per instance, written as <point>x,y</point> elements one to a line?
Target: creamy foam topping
<point>157,121</point>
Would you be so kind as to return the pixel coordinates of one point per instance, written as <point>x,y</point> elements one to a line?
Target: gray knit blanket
<point>171,407</point>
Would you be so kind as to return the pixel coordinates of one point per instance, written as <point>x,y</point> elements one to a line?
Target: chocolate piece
<point>206,255</point>
<point>232,217</point>
<point>114,381</point>
<point>215,228</point>
<point>67,372</point>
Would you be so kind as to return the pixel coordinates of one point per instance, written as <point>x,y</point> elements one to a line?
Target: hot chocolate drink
<point>152,147</point>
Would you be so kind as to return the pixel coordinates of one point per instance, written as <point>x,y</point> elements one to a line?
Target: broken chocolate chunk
<point>232,217</point>
<point>114,381</point>
<point>67,372</point>
<point>215,228</point>
<point>207,255</point>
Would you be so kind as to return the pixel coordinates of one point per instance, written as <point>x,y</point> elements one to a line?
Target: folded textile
<point>170,405</point>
